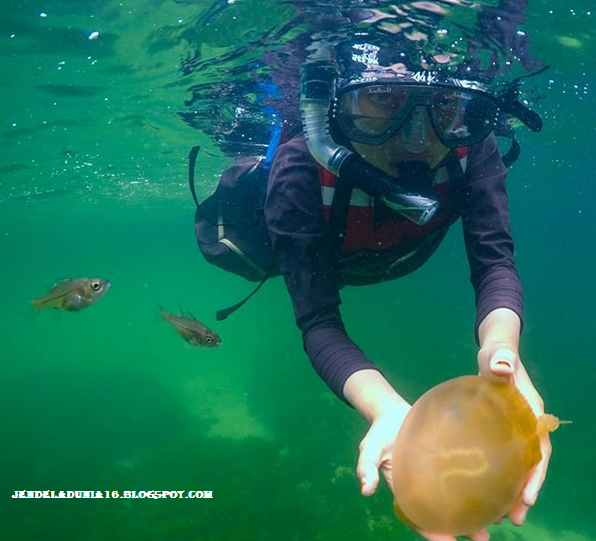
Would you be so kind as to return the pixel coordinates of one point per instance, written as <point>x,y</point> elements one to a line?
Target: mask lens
<point>462,118</point>
<point>370,114</point>
<point>448,109</point>
<point>369,126</point>
<point>373,114</point>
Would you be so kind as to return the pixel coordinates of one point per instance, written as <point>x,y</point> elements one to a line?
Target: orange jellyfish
<point>464,454</point>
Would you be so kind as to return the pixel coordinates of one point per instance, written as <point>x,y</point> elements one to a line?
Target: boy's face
<point>374,112</point>
<point>416,140</point>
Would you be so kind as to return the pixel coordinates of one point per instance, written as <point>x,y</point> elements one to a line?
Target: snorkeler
<point>395,150</point>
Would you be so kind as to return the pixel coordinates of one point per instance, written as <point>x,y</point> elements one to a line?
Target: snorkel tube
<point>316,95</point>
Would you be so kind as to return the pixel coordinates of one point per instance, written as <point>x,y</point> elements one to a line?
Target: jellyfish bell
<point>464,454</point>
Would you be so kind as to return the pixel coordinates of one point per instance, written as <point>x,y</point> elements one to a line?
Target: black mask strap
<point>511,156</point>
<point>510,103</point>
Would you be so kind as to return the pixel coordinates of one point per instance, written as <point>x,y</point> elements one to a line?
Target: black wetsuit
<point>308,257</point>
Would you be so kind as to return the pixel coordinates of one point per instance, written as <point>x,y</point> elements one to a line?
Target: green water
<point>92,183</point>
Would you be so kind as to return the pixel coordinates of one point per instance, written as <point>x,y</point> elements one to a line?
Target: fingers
<point>376,452</point>
<point>503,362</point>
<point>367,471</point>
<point>369,481</point>
<point>436,537</point>
<point>534,484</point>
<point>518,513</point>
<point>503,365</point>
<point>528,497</point>
<point>480,535</point>
<point>500,362</point>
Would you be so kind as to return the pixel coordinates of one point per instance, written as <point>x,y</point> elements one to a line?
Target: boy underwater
<point>394,151</point>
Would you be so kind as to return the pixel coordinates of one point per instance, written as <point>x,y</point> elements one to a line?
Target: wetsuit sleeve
<point>487,234</point>
<point>306,258</point>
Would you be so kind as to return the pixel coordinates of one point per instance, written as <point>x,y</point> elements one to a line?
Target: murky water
<point>101,101</point>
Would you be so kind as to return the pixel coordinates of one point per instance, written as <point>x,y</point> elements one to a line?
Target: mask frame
<point>459,116</point>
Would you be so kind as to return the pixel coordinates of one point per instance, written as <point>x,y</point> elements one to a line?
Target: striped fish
<point>73,294</point>
<point>192,331</point>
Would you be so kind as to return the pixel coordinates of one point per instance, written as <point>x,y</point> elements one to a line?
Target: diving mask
<point>372,113</point>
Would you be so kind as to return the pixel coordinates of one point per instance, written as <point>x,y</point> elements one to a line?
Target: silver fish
<point>195,333</point>
<point>73,294</point>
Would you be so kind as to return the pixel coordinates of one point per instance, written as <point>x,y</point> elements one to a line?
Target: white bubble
<point>94,35</point>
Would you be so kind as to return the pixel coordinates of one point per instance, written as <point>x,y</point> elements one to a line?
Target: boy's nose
<point>414,132</point>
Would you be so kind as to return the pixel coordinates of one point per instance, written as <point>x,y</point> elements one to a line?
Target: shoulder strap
<point>337,228</point>
<point>504,130</point>
<point>455,167</point>
<point>225,312</point>
<point>340,206</point>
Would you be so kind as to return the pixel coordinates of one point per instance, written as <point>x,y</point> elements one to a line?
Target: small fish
<point>73,294</point>
<point>195,333</point>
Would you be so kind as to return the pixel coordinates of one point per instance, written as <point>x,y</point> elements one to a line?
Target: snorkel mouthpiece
<point>416,207</point>
<point>316,95</point>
